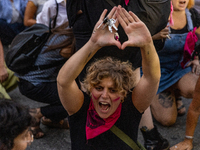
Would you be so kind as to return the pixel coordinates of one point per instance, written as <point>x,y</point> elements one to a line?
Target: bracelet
<point>189,137</point>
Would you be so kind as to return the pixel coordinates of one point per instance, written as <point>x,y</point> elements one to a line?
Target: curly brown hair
<point>120,72</point>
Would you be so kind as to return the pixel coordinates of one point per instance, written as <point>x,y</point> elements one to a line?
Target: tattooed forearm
<point>88,57</point>
<point>166,99</point>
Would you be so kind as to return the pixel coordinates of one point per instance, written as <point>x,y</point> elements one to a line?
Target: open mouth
<point>104,106</point>
<point>182,2</point>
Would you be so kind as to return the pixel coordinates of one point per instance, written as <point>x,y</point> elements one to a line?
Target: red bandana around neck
<point>189,47</point>
<point>95,125</point>
<point>126,2</point>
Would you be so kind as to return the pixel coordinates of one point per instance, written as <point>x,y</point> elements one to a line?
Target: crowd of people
<point>106,77</point>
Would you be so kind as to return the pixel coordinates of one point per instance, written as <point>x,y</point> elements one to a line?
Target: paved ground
<point>57,139</point>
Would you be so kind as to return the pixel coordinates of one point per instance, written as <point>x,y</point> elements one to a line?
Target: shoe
<point>153,139</point>
<point>35,127</point>
<point>181,110</point>
<point>63,124</point>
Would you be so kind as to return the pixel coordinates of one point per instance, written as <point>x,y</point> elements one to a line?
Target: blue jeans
<point>45,93</point>
<point>9,31</point>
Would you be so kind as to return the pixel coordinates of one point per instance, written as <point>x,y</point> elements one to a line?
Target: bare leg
<point>152,138</point>
<point>164,108</point>
<point>147,120</point>
<point>191,121</point>
<point>186,85</point>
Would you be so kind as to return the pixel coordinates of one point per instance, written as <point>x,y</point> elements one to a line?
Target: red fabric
<point>126,2</point>
<point>95,125</point>
<point>171,21</point>
<point>189,46</point>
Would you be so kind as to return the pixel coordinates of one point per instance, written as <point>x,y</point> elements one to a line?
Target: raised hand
<point>137,32</point>
<point>101,35</point>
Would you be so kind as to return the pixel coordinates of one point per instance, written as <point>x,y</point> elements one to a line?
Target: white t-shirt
<point>49,11</point>
<point>39,4</point>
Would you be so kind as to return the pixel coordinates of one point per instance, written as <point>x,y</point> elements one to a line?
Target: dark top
<point>195,19</point>
<point>128,122</point>
<point>149,11</point>
<point>196,23</point>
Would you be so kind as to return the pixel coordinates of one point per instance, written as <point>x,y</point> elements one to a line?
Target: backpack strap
<point>111,3</point>
<point>54,20</point>
<point>54,23</point>
<point>126,139</point>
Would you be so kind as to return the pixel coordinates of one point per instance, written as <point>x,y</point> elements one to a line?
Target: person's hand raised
<point>137,32</point>
<point>101,35</point>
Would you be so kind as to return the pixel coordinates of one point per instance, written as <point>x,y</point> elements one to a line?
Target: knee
<point>189,93</point>
<point>167,121</point>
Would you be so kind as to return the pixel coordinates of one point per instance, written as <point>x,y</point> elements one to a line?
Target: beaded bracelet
<point>189,137</point>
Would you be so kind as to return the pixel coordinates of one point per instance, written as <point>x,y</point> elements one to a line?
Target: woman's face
<point>106,98</point>
<point>180,4</point>
<point>23,140</point>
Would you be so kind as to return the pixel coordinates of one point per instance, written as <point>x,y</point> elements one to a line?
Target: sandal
<point>35,127</point>
<point>63,124</point>
<point>37,132</point>
<point>180,107</point>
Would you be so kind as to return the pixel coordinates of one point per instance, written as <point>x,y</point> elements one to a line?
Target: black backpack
<point>26,46</point>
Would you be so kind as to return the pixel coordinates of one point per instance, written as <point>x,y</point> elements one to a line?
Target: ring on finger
<point>116,36</point>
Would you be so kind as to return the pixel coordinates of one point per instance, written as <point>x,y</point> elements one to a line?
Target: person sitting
<point>15,133</point>
<point>11,23</point>
<point>11,19</point>
<point>178,77</point>
<point>111,96</point>
<point>40,84</point>
<point>8,81</point>
<point>33,8</point>
<point>49,11</point>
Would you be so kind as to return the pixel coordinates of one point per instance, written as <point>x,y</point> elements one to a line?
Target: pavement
<point>59,139</point>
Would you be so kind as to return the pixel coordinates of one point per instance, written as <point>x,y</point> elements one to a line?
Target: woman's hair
<point>190,4</point>
<point>121,73</point>
<point>14,120</point>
